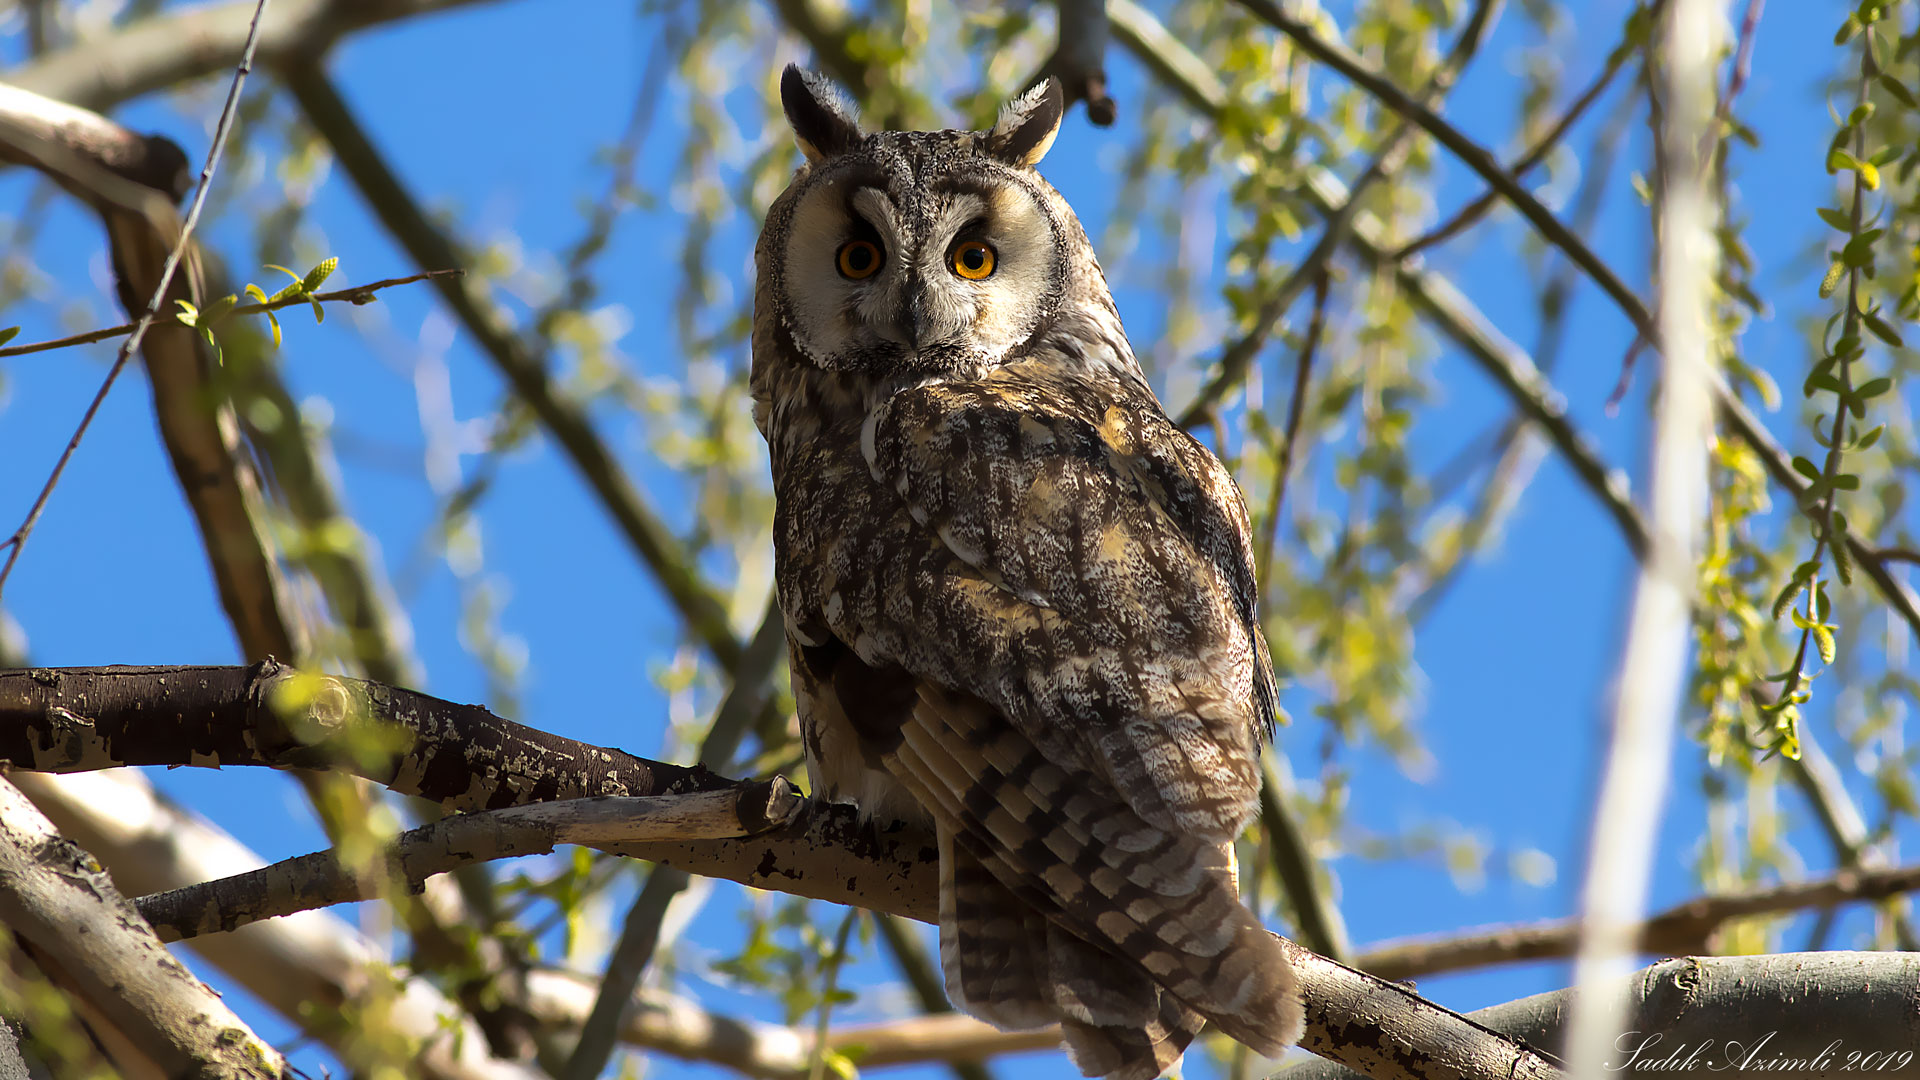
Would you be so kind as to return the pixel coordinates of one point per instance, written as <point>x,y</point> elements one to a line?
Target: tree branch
<point>1680,930</point>
<point>57,898</point>
<point>1341,59</point>
<point>163,50</point>
<point>72,719</point>
<point>492,329</point>
<point>1727,1006</point>
<point>321,879</point>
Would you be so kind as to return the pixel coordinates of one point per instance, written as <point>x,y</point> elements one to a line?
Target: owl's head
<point>915,252</point>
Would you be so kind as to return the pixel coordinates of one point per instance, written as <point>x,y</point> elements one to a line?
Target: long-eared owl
<point>1019,600</point>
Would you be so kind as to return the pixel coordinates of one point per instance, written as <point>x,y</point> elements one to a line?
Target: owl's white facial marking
<point>968,265</point>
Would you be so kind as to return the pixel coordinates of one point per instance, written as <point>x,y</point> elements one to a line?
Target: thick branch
<point>71,719</point>
<point>163,50</point>
<point>59,899</point>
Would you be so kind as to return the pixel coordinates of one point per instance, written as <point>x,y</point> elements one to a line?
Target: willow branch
<point>1239,356</point>
<point>1347,63</point>
<point>359,294</point>
<point>1541,147</point>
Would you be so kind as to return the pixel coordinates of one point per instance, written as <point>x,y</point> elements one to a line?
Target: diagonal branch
<point>492,329</point>
<point>1347,63</point>
<point>60,901</point>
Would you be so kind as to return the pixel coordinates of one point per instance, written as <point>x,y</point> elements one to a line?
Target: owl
<point>1019,600</point>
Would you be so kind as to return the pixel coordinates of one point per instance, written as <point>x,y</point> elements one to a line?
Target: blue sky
<point>494,112</point>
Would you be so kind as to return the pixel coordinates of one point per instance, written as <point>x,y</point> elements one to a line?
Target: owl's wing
<point>1097,587</point>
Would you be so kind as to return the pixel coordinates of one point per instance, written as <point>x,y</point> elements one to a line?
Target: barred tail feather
<point>1074,849</point>
<point>987,945</point>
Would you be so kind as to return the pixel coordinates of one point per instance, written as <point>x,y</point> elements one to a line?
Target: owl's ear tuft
<point>824,122</point>
<point>1027,124</point>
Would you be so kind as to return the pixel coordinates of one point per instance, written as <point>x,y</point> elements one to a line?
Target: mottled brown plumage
<point>1019,600</point>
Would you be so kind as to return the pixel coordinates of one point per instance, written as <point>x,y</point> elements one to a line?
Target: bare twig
<point>18,541</point>
<point>359,294</point>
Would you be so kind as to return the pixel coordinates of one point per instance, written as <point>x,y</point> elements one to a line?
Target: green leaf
<point>319,310</point>
<point>259,294</point>
<point>1881,330</point>
<point>1847,482</point>
<point>1838,159</point>
<point>8,333</point>
<point>218,310</point>
<point>1806,468</point>
<point>319,274</point>
<point>1898,90</point>
<point>1826,382</point>
<point>1859,250</point>
<point>189,315</point>
<point>1873,388</point>
<point>1869,438</point>
<point>1835,218</point>
<point>275,323</point>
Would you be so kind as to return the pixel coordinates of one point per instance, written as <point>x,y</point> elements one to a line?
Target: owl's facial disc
<point>884,274</point>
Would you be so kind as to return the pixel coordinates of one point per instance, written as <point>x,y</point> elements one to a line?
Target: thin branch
<point>324,879</point>
<point>360,294</point>
<point>18,541</point>
<point>1543,146</point>
<point>646,532</point>
<point>1316,917</point>
<point>1239,356</point>
<point>1682,930</point>
<point>1296,410</point>
<point>1627,810</point>
<point>1343,60</point>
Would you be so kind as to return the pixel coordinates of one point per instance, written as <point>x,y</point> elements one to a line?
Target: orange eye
<point>858,259</point>
<point>972,259</point>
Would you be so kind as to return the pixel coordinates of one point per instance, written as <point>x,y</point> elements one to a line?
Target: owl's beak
<point>919,321</point>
